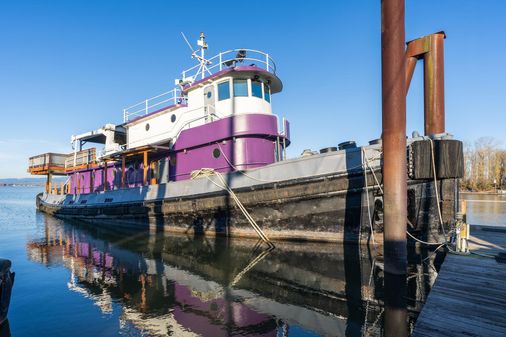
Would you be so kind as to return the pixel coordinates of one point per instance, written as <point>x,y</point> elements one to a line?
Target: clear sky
<point>68,67</point>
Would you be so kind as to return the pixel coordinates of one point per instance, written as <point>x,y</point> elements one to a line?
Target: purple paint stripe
<point>240,125</point>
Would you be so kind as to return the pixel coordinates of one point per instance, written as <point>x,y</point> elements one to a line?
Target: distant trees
<point>485,165</point>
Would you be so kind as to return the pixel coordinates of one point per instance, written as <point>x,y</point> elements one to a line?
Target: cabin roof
<point>275,83</point>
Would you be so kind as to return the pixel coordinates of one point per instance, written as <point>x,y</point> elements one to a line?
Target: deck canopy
<point>99,136</point>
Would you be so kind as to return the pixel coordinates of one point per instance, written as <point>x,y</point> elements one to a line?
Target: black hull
<point>330,208</point>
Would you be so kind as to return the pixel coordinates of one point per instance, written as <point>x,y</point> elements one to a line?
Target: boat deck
<point>469,295</point>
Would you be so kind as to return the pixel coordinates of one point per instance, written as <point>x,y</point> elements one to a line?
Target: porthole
<point>173,118</point>
<point>147,126</point>
<point>209,94</point>
<point>216,153</point>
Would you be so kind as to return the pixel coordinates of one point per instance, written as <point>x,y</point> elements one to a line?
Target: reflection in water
<point>166,285</point>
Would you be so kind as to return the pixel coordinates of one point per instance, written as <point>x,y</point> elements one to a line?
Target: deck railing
<point>232,58</point>
<point>43,163</point>
<point>227,59</point>
<point>153,104</point>
<point>80,158</point>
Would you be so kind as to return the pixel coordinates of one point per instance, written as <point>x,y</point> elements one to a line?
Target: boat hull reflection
<point>186,286</point>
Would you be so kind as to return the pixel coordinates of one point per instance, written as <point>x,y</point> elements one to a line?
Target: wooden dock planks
<point>469,295</point>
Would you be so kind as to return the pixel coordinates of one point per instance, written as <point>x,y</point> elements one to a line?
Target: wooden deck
<point>469,295</point>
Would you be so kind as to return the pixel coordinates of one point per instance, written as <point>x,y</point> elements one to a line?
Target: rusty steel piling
<point>430,48</point>
<point>393,68</point>
<point>394,135</point>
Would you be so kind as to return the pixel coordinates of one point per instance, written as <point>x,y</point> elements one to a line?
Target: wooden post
<point>48,182</point>
<point>145,180</point>
<point>463,210</point>
<point>153,178</point>
<point>123,164</point>
<point>78,184</point>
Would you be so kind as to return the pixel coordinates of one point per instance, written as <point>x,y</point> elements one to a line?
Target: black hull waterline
<point>329,197</point>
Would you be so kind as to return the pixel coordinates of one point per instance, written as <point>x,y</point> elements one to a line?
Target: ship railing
<point>153,104</point>
<point>232,58</point>
<point>81,158</point>
<point>47,162</point>
<point>209,115</point>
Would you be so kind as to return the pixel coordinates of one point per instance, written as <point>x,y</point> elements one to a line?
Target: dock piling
<point>394,164</point>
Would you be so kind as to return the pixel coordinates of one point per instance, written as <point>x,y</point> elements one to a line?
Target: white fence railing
<point>84,157</point>
<point>153,104</point>
<point>232,58</point>
<point>47,159</point>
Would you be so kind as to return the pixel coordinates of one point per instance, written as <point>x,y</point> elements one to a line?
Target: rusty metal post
<point>410,69</point>
<point>434,85</point>
<point>394,160</point>
<point>394,134</point>
<point>430,48</point>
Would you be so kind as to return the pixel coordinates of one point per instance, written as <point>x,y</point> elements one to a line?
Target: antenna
<point>201,58</point>
<point>188,43</point>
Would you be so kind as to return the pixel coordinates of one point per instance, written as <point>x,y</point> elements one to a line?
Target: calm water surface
<point>77,280</point>
<point>486,209</point>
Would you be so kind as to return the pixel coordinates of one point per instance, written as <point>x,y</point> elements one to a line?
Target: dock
<point>469,295</point>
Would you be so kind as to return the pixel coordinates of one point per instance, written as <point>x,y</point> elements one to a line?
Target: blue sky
<point>68,67</point>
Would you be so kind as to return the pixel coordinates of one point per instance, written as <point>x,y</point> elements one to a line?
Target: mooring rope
<point>367,198</point>
<point>208,173</point>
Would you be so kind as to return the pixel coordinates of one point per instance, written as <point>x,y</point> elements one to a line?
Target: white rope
<point>241,171</point>
<point>372,171</point>
<point>208,172</point>
<point>368,201</point>
<point>250,265</point>
<point>435,184</point>
<point>425,242</point>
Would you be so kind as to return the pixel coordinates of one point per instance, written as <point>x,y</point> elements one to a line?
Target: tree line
<point>484,165</point>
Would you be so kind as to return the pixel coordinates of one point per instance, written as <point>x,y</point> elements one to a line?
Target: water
<point>79,280</point>
<point>486,209</point>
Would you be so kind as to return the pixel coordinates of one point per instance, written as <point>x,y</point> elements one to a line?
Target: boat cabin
<point>218,116</point>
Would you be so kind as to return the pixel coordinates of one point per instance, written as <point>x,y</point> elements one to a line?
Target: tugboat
<point>209,157</point>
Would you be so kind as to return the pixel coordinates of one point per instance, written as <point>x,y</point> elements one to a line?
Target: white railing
<point>209,116</point>
<point>232,58</point>
<point>84,157</point>
<point>153,104</point>
<point>183,121</point>
<point>47,159</point>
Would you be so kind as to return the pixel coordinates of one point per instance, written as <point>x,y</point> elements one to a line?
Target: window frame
<point>247,86</point>
<point>221,84</point>
<point>267,92</point>
<point>261,89</point>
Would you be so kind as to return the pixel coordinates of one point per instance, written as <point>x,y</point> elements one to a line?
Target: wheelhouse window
<point>223,90</point>
<point>256,89</point>
<point>267,93</point>
<point>240,88</point>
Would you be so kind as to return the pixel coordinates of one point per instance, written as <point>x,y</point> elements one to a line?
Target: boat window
<point>223,90</point>
<point>256,89</point>
<point>267,93</point>
<point>240,88</point>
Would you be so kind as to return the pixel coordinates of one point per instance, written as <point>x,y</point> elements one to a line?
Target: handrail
<point>188,123</point>
<point>147,106</point>
<point>231,58</point>
<point>208,113</point>
<point>223,60</point>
